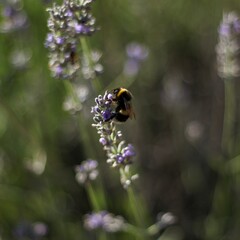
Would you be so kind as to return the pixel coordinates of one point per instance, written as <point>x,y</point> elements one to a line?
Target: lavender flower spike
<point>67,23</point>
<point>119,153</point>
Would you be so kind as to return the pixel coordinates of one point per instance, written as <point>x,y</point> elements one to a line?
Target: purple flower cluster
<point>86,171</point>
<point>103,220</point>
<point>13,17</point>
<point>118,152</point>
<point>228,46</point>
<point>67,23</point>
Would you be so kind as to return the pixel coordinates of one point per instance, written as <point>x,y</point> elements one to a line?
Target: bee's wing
<point>129,109</point>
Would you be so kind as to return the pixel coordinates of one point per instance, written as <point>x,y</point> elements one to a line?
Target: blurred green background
<point>179,104</point>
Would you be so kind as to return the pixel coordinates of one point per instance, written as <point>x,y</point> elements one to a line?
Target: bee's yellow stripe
<point>124,112</point>
<point>122,90</point>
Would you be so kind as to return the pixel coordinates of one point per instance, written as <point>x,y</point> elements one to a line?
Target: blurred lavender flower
<point>119,153</point>
<point>73,102</point>
<point>86,171</point>
<point>105,221</point>
<point>37,162</point>
<point>71,106</point>
<point>137,51</point>
<point>166,219</point>
<point>40,229</point>
<point>20,58</point>
<point>174,95</point>
<point>33,231</point>
<point>67,23</point>
<point>136,54</point>
<point>194,131</point>
<point>94,68</point>
<point>13,17</point>
<point>228,46</point>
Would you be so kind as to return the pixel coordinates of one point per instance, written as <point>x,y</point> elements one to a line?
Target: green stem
<point>153,229</point>
<point>93,198</point>
<point>136,205</point>
<point>229,118</point>
<point>102,236</point>
<point>136,209</point>
<point>96,205</point>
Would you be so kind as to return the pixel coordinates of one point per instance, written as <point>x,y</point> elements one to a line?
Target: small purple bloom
<point>120,158</point>
<point>99,100</point>
<point>86,30</point>
<point>107,114</point>
<point>79,28</point>
<point>95,109</point>
<point>224,29</point>
<point>49,40</point>
<point>59,40</point>
<point>94,220</point>
<point>103,141</point>
<point>8,11</point>
<point>236,25</point>
<point>69,13</point>
<point>92,164</point>
<point>110,96</point>
<point>129,151</point>
<point>104,220</point>
<point>58,71</point>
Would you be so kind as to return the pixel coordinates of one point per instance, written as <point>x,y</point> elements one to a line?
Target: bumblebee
<point>122,100</point>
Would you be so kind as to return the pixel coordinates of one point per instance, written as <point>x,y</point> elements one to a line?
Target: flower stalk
<point>228,139</point>
<point>228,69</point>
<point>119,154</point>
